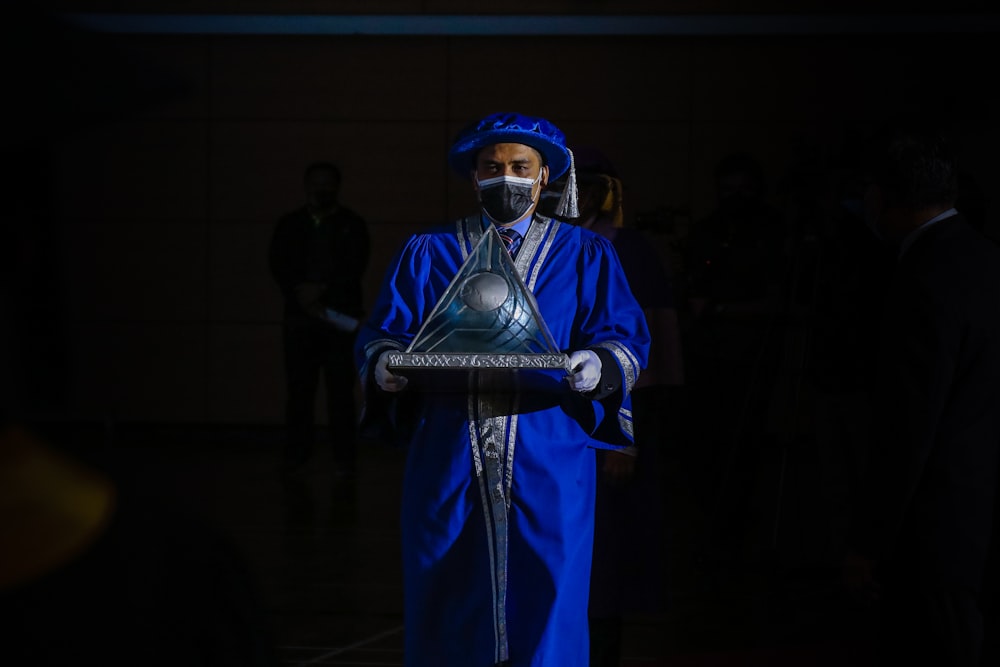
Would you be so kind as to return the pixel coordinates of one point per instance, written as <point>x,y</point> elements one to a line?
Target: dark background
<point>144,172</point>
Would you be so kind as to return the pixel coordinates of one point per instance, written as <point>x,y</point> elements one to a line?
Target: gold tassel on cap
<point>567,206</point>
<point>619,214</point>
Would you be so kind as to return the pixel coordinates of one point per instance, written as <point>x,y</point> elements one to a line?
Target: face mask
<point>507,198</point>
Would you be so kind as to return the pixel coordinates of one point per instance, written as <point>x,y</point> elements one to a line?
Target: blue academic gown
<point>498,498</point>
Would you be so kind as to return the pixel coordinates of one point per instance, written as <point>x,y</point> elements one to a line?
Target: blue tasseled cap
<point>515,128</point>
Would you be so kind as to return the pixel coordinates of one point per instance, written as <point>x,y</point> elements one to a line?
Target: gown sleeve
<point>610,322</point>
<point>402,301</point>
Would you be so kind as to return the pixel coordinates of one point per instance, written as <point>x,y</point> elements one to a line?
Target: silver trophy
<point>486,319</point>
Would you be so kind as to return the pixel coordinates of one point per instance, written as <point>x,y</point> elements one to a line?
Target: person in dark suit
<point>318,256</point>
<point>920,541</point>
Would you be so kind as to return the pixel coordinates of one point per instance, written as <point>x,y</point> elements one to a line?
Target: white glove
<point>586,370</point>
<point>385,378</point>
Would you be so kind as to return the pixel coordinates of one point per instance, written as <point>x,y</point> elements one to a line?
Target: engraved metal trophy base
<point>476,361</point>
<point>459,372</point>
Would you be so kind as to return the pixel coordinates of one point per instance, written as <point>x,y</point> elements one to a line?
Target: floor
<point>323,552</point>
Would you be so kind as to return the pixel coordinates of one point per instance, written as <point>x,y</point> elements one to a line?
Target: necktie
<point>510,238</point>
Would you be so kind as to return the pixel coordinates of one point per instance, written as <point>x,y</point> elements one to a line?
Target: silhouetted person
<point>736,268</point>
<point>318,256</point>
<point>926,512</point>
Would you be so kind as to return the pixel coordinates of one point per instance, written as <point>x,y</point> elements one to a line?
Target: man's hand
<point>385,378</point>
<point>340,321</point>
<point>308,295</point>
<point>858,574</point>
<point>586,371</point>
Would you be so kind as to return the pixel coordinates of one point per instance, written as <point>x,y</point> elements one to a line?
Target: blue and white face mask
<point>506,199</point>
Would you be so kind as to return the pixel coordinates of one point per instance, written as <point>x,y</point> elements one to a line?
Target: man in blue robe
<point>498,498</point>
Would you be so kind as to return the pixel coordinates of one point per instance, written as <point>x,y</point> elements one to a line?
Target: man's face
<point>593,191</point>
<point>509,160</point>
<point>321,187</point>
<point>737,184</point>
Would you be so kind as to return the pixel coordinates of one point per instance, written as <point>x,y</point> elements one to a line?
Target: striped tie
<point>511,239</point>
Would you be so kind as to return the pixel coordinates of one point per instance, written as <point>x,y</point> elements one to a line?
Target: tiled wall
<point>165,214</point>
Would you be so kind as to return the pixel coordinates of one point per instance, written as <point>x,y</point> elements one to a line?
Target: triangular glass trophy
<point>487,318</point>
